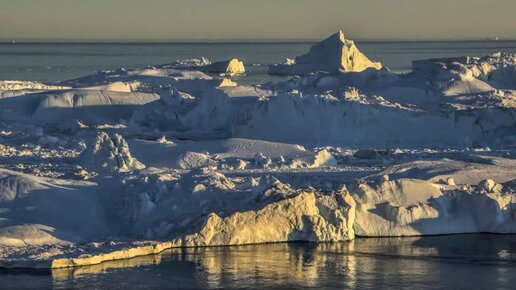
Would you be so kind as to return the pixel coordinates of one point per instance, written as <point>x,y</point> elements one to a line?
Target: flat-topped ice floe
<point>150,79</point>
<point>229,67</point>
<point>90,105</point>
<point>333,55</point>
<point>28,85</point>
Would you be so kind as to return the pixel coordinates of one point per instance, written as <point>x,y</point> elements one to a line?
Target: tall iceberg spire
<point>334,54</point>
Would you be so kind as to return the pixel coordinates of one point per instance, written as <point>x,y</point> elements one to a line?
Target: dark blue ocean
<point>440,262</point>
<point>60,61</point>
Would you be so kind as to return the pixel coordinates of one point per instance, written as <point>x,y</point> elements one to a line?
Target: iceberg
<point>230,67</point>
<point>131,162</point>
<point>333,55</point>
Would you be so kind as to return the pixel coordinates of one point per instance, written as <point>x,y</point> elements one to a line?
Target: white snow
<point>131,162</point>
<point>111,154</point>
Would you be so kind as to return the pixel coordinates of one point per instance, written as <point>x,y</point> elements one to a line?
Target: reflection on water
<point>467,261</point>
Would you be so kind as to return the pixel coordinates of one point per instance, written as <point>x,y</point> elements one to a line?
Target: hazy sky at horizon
<point>253,19</point>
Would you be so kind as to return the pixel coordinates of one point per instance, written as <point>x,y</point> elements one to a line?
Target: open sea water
<point>439,262</point>
<point>48,62</point>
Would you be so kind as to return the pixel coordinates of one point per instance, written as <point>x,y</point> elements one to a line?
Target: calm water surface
<point>61,61</point>
<point>442,262</point>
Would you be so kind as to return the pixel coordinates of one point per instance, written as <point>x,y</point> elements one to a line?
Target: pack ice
<point>131,162</point>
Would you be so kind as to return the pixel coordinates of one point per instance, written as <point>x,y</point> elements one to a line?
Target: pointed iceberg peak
<point>341,36</point>
<point>338,38</point>
<point>335,54</point>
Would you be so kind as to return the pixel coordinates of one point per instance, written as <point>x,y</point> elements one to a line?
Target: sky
<point>256,19</point>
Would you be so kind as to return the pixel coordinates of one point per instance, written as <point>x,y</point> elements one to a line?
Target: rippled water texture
<point>60,61</point>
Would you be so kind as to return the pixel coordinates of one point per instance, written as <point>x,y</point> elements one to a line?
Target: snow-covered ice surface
<point>134,161</point>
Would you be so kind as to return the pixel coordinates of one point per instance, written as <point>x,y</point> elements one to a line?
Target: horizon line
<point>216,41</point>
